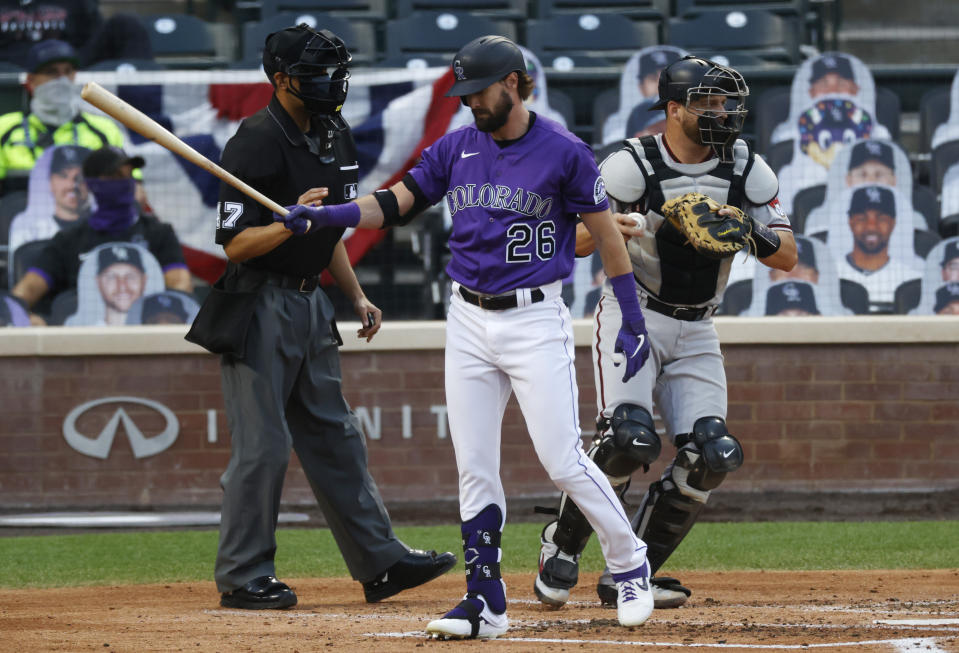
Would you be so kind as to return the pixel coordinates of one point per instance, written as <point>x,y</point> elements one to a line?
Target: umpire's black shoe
<point>415,568</point>
<point>263,593</point>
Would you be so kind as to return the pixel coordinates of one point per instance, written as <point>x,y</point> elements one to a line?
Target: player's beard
<point>691,128</point>
<point>487,121</point>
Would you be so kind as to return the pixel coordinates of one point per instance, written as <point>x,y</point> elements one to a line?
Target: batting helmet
<point>694,78</point>
<point>318,59</point>
<point>484,61</point>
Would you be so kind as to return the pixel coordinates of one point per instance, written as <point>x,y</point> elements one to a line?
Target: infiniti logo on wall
<point>99,446</point>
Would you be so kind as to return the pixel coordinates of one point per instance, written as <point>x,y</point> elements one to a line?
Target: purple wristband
<point>624,287</point>
<point>341,215</point>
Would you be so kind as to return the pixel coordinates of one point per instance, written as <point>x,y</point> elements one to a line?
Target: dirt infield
<point>842,610</point>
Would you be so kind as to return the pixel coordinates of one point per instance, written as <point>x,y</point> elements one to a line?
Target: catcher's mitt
<point>697,217</point>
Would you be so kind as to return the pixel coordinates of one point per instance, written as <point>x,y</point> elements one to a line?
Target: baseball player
<point>514,182</point>
<point>680,290</point>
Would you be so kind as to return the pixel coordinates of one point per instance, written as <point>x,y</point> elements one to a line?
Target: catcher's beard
<point>490,121</point>
<point>690,124</point>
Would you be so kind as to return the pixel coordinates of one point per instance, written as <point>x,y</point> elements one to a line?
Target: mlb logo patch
<point>349,191</point>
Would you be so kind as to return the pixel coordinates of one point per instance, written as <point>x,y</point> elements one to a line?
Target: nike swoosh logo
<point>642,339</point>
<point>637,443</point>
<point>465,155</point>
<point>727,454</point>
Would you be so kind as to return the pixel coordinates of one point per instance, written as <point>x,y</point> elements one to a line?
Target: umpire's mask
<point>319,61</point>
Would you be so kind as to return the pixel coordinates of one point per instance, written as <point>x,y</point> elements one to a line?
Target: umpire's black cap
<point>302,50</point>
<point>484,61</point>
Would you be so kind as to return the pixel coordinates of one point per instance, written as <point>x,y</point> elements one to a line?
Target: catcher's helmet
<point>318,59</point>
<point>694,78</point>
<point>484,61</point>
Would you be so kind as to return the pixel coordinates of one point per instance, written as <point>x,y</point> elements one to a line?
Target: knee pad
<point>710,453</point>
<point>630,444</point>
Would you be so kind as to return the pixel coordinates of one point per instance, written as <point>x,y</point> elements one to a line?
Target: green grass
<point>154,557</point>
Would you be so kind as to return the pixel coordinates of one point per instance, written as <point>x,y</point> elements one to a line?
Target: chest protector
<point>688,278</point>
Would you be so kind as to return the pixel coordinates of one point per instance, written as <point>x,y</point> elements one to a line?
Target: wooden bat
<point>149,128</point>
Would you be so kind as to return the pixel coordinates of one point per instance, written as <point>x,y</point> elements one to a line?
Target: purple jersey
<point>513,208</point>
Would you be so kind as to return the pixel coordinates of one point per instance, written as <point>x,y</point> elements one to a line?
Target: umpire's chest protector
<point>685,277</point>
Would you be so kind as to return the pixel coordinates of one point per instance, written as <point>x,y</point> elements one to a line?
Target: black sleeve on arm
<point>420,203</point>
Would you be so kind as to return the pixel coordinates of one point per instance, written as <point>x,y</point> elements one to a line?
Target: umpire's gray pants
<point>287,390</point>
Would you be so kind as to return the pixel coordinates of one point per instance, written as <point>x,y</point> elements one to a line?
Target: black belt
<point>290,282</point>
<point>685,313</point>
<point>499,302</point>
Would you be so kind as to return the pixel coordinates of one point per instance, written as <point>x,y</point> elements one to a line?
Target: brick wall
<point>810,416</point>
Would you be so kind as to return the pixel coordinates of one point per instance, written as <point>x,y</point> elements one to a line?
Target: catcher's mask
<point>483,62</point>
<point>698,84</point>
<point>319,61</point>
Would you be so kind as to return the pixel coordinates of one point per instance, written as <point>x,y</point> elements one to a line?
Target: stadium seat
<point>907,296</point>
<point>176,36</point>
<point>805,201</point>
<point>500,9</point>
<point>126,65</point>
<point>854,296</point>
<point>24,258</point>
<point>949,226</point>
<point>629,8</point>
<point>778,155</point>
<point>943,157</point>
<point>63,306</point>
<point>888,109</point>
<point>923,241</point>
<point>358,36</point>
<point>373,11</point>
<point>925,201</point>
<point>440,32</point>
<point>414,60</point>
<point>756,32</point>
<point>933,111</point>
<point>605,35</point>
<point>737,298</point>
<point>768,110</point>
<point>605,104</point>
<point>571,60</point>
<point>563,104</point>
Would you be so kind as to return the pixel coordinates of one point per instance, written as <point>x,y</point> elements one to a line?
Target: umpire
<point>275,329</point>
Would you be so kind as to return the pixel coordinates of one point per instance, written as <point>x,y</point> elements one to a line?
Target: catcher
<point>696,195</point>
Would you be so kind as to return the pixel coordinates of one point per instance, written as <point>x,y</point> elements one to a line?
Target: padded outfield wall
<point>133,417</point>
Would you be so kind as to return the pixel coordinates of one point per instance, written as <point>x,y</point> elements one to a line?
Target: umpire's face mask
<point>322,95</point>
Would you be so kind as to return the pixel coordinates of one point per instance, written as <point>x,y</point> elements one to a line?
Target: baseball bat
<point>149,128</point>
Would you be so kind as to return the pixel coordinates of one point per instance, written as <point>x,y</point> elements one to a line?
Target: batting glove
<point>300,220</point>
<point>633,343</point>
